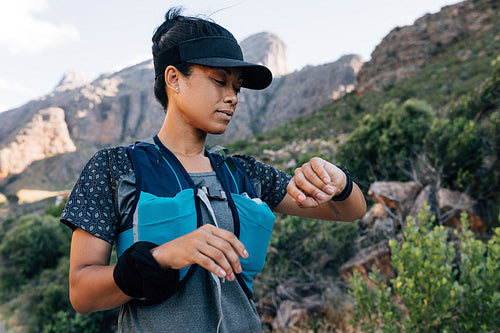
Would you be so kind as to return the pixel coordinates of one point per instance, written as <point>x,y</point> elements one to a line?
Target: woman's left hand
<point>316,182</point>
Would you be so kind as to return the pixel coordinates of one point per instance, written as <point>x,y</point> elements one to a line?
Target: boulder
<point>448,205</point>
<point>396,195</point>
<point>378,255</point>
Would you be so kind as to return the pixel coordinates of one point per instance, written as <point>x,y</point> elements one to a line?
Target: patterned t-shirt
<point>105,191</point>
<point>102,198</point>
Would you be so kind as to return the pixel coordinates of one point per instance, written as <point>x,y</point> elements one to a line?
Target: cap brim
<point>256,77</point>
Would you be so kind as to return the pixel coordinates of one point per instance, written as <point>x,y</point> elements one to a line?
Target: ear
<point>172,79</point>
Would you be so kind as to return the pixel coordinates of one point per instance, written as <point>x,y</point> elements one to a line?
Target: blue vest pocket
<point>256,226</point>
<point>161,219</point>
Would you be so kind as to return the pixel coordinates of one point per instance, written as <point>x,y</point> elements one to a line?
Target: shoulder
<point>251,165</point>
<point>269,181</point>
<point>257,169</point>
<point>114,161</point>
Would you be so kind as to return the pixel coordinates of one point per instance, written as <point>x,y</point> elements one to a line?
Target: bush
<point>31,245</point>
<point>384,143</point>
<point>303,248</point>
<point>41,303</point>
<point>436,290</point>
<point>455,147</point>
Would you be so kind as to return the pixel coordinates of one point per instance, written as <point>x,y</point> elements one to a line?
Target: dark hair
<point>176,29</point>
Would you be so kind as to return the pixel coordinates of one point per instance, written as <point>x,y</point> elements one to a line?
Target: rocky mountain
<point>405,50</point>
<point>291,96</point>
<point>79,117</point>
<point>445,57</point>
<point>70,81</point>
<point>45,135</point>
<point>266,48</point>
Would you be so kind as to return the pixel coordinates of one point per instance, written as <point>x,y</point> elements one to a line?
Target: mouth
<point>228,114</point>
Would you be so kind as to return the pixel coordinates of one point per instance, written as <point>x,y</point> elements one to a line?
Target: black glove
<point>138,275</point>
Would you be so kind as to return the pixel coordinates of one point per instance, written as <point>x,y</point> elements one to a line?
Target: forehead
<point>237,72</point>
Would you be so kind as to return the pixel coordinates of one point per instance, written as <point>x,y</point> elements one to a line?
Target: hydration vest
<point>167,205</point>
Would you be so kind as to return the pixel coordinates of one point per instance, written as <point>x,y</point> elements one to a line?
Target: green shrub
<point>436,289</point>
<point>455,147</point>
<point>31,245</point>
<point>301,248</point>
<point>385,142</point>
<point>56,210</point>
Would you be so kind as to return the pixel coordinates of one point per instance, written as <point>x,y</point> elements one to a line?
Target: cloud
<point>23,32</point>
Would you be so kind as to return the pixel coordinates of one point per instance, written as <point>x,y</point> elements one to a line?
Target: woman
<point>191,227</point>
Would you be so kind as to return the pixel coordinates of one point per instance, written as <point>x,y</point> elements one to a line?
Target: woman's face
<point>207,98</point>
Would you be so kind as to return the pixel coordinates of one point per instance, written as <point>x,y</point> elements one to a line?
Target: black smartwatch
<point>348,186</point>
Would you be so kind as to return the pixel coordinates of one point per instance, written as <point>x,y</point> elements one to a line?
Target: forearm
<point>91,283</point>
<point>351,209</point>
<point>323,191</point>
<point>92,288</point>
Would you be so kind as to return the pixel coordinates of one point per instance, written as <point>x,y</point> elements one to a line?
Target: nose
<point>231,96</point>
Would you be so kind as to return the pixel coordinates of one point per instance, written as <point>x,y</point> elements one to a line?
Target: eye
<point>220,82</point>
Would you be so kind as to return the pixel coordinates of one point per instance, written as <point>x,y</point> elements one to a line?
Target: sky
<point>40,40</point>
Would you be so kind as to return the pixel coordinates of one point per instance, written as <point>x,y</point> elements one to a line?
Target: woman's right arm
<point>91,284</point>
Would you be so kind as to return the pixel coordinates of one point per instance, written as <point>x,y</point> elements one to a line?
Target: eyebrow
<point>229,72</point>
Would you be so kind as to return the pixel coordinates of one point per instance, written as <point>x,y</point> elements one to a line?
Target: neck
<point>187,145</point>
<point>184,147</point>
<point>182,140</point>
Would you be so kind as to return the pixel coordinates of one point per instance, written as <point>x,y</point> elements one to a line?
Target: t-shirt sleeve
<point>91,205</point>
<point>272,182</point>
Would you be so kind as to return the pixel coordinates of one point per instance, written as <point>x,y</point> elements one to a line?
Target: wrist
<point>156,254</point>
<point>346,192</point>
<point>138,275</point>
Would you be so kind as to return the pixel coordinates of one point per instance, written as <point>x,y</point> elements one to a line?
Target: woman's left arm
<point>312,188</point>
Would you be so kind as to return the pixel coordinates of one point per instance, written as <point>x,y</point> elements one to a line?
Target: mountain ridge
<point>119,108</point>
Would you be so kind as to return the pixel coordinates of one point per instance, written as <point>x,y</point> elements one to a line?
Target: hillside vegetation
<point>442,125</point>
<point>446,115</point>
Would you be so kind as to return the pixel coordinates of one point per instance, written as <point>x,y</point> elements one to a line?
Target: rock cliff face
<point>405,50</point>
<point>267,49</point>
<point>79,117</point>
<point>70,81</point>
<point>44,136</point>
<point>291,96</point>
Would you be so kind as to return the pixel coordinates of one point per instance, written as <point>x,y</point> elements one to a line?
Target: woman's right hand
<point>217,250</point>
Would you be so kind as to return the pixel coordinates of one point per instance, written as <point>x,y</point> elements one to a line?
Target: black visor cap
<point>221,52</point>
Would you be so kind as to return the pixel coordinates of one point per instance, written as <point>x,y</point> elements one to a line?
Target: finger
<point>339,178</point>
<point>300,198</point>
<point>326,172</point>
<point>231,238</point>
<point>310,172</point>
<point>231,261</point>
<point>220,259</point>
<point>297,195</point>
<point>210,265</point>
<point>319,167</point>
<point>304,178</point>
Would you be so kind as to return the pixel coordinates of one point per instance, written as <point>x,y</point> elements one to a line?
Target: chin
<point>218,131</point>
